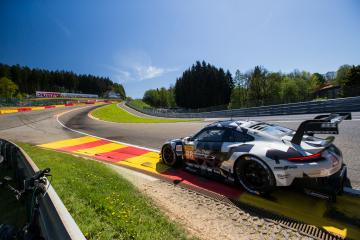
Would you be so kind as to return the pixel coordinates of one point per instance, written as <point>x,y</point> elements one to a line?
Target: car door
<point>207,147</point>
<point>236,141</point>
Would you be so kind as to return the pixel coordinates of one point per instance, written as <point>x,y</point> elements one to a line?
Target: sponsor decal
<point>285,167</point>
<point>282,176</point>
<point>59,94</point>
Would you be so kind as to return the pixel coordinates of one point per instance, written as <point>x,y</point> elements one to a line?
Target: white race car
<point>261,156</point>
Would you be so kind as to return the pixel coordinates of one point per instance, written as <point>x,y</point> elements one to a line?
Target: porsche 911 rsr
<point>261,156</point>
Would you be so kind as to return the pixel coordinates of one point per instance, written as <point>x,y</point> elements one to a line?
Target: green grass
<point>140,104</point>
<point>103,204</point>
<point>113,113</point>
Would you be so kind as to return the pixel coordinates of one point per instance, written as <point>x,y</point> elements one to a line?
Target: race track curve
<point>155,134</point>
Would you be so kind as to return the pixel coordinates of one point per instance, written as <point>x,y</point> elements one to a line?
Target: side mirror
<point>187,139</point>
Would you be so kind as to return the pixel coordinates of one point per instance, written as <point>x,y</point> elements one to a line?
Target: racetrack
<point>51,125</point>
<point>38,127</point>
<point>154,135</point>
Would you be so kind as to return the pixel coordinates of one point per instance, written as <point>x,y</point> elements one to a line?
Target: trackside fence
<point>350,104</point>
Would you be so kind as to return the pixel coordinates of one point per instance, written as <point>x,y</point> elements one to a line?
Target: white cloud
<point>148,72</point>
<point>135,66</point>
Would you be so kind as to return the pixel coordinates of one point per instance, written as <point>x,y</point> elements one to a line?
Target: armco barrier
<point>350,104</point>
<point>55,221</point>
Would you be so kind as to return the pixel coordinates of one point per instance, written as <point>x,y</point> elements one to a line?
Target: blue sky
<point>148,44</point>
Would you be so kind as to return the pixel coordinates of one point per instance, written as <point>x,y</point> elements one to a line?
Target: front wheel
<point>254,175</point>
<point>168,156</point>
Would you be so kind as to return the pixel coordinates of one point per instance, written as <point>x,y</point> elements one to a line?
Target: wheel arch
<point>239,158</point>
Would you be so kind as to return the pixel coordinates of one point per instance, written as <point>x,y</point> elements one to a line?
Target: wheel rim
<point>168,155</point>
<point>253,175</point>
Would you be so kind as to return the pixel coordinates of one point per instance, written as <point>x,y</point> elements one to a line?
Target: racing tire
<point>254,175</point>
<point>168,156</point>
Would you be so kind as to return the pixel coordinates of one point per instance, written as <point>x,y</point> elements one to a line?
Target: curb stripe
<point>25,109</point>
<point>94,151</point>
<point>114,156</point>
<point>68,142</point>
<point>83,146</point>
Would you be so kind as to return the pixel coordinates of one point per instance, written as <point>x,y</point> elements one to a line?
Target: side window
<point>237,136</point>
<point>211,135</point>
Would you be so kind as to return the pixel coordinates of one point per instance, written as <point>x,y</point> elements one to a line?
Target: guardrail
<point>55,221</point>
<point>350,104</point>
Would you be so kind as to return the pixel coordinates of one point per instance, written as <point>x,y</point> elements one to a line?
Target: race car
<point>261,156</point>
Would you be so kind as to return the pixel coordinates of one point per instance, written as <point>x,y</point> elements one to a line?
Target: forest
<point>203,86</point>
<point>20,81</point>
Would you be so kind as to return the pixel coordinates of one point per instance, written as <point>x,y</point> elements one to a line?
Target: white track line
<point>87,134</point>
<point>118,105</point>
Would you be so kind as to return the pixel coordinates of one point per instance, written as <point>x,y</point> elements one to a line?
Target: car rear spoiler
<point>321,124</point>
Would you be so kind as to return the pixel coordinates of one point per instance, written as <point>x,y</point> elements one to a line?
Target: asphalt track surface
<point>154,135</point>
<point>37,127</point>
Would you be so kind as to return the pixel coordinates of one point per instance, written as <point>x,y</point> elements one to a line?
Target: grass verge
<point>113,113</point>
<point>103,204</point>
<point>140,104</point>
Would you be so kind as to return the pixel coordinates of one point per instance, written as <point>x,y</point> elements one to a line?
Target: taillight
<point>305,158</point>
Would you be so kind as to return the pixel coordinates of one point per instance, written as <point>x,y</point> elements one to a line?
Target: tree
<point>258,86</point>
<point>351,85</point>
<point>8,88</point>
<point>31,80</point>
<point>239,94</point>
<point>289,90</point>
<point>171,97</point>
<point>160,97</point>
<point>118,88</point>
<point>151,97</point>
<point>203,85</point>
<point>341,78</point>
<point>273,91</point>
<point>341,73</point>
<point>319,79</point>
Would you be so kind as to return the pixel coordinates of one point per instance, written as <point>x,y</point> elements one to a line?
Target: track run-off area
<point>136,146</point>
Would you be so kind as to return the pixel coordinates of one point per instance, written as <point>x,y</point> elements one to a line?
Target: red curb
<point>84,146</point>
<point>24,109</point>
<point>49,106</point>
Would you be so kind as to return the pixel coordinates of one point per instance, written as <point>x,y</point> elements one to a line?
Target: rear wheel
<point>254,175</point>
<point>168,156</point>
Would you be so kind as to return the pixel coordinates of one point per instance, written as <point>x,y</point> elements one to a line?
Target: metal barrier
<point>55,221</point>
<point>350,104</point>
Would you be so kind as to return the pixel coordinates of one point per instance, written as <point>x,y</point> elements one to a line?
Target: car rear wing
<point>321,124</point>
